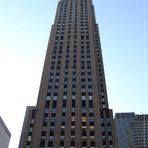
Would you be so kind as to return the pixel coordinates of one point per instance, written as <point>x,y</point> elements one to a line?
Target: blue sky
<point>24,33</point>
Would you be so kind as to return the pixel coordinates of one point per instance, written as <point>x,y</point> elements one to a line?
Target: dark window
<point>30,134</point>
<point>63,123</point>
<point>87,37</point>
<point>109,133</point>
<point>84,143</point>
<point>56,87</point>
<point>43,133</point>
<point>82,86</point>
<point>47,104</point>
<point>73,113</point>
<point>72,143</point>
<point>83,93</point>
<point>55,94</point>
<point>42,143</point>
<point>83,123</point>
<point>28,142</point>
<point>63,114</point>
<point>52,123</point>
<point>83,114</point>
<point>107,114</point>
<point>92,143</point>
<point>51,133</point>
<point>108,124</point>
<point>73,103</point>
<point>91,123</point>
<point>64,103</point>
<point>92,133</point>
<point>65,86</point>
<point>103,133</point>
<point>44,123</point>
<point>73,133</point>
<point>83,133</point>
<point>89,79</point>
<point>54,104</point>
<point>62,143</point>
<point>110,142</point>
<point>104,142</point>
<point>72,122</point>
<point>53,115</point>
<point>45,114</point>
<point>90,103</point>
<point>65,93</point>
<point>90,93</point>
<point>91,114</point>
<point>62,133</point>
<point>102,124</point>
<point>82,36</point>
<point>89,86</point>
<point>50,143</point>
<point>83,103</point>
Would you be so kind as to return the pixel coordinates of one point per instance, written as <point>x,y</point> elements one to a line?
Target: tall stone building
<point>72,109</point>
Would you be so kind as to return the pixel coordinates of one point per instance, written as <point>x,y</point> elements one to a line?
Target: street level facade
<point>72,110</point>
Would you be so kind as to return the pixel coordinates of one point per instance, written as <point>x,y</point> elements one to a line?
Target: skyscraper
<point>72,108</point>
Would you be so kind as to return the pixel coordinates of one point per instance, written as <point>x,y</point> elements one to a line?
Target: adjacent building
<point>72,110</point>
<point>131,130</point>
<point>4,135</point>
<point>122,123</point>
<point>138,132</point>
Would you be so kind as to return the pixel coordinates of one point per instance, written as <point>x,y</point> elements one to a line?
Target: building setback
<point>28,125</point>
<point>132,130</point>
<point>72,109</point>
<point>4,135</point>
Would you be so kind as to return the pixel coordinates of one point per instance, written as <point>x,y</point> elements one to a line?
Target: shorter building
<point>138,132</point>
<point>131,130</point>
<point>122,123</point>
<point>28,125</point>
<point>4,135</point>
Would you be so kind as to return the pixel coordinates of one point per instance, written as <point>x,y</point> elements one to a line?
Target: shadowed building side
<point>28,125</point>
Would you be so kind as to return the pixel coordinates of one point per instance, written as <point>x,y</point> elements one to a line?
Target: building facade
<point>132,130</point>
<point>122,124</point>
<point>72,109</point>
<point>4,135</point>
<point>138,132</point>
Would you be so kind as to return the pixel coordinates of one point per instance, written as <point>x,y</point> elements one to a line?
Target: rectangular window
<point>54,104</point>
<point>83,103</point>
<point>64,103</point>
<point>73,103</point>
<point>90,103</point>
